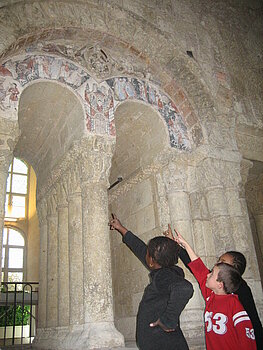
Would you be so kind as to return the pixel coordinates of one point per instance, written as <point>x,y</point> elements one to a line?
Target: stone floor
<point>129,346</point>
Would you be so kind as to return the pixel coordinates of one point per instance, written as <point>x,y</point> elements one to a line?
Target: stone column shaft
<point>76,313</point>
<point>97,263</point>
<point>95,163</point>
<point>63,257</point>
<point>42,299</point>
<point>178,198</point>
<point>52,263</point>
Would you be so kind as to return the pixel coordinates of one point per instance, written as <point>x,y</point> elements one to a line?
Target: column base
<point>102,335</point>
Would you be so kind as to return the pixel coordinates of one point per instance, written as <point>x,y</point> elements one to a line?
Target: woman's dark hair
<point>164,251</point>
<point>230,277</point>
<point>239,261</point>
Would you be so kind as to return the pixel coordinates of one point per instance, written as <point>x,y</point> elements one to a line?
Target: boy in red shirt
<point>227,325</point>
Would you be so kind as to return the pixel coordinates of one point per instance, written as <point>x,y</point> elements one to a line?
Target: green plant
<point>7,313</point>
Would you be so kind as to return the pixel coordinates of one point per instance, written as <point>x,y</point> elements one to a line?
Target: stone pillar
<point>79,291</point>
<point>76,313</point>
<point>98,301</point>
<point>178,180</point>
<point>63,255</point>
<point>52,261</point>
<point>42,295</point>
<point>176,176</point>
<point>215,177</point>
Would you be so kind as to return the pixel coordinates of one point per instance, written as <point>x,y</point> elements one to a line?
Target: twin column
<point>76,305</point>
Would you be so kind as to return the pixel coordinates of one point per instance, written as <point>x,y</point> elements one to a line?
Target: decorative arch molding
<point>99,100</point>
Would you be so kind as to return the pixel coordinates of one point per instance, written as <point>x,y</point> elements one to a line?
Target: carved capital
<point>9,134</point>
<point>42,211</point>
<point>87,160</point>
<point>5,160</point>
<point>217,173</point>
<point>52,203</point>
<point>61,190</point>
<point>95,160</point>
<point>175,177</point>
<point>73,180</point>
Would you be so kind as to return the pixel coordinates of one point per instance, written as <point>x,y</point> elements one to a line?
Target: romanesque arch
<point>99,99</point>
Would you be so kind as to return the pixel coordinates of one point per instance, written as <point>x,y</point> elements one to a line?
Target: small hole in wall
<point>190,54</point>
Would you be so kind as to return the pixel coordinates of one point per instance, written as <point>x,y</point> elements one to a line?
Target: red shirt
<point>227,325</point>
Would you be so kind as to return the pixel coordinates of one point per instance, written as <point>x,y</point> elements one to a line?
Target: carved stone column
<point>63,255</point>
<point>216,177</point>
<point>175,178</point>
<point>76,313</point>
<point>79,291</point>
<point>52,261</point>
<point>42,299</point>
<point>95,163</point>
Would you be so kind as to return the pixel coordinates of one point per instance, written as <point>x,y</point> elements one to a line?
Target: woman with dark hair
<point>165,297</point>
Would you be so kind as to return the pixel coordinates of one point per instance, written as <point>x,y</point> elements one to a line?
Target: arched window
<point>13,251</point>
<point>13,255</point>
<point>16,191</point>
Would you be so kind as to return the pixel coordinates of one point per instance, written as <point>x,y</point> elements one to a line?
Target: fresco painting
<point>99,99</point>
<point>99,107</point>
<point>132,88</point>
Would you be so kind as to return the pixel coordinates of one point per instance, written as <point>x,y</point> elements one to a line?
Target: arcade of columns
<point>199,194</point>
<point>200,178</point>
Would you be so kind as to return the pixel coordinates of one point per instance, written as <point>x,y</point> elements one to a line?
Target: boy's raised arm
<point>180,240</point>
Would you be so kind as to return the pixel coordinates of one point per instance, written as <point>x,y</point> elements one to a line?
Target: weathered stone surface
<point>203,61</point>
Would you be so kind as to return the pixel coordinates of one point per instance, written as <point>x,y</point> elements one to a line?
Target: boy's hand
<point>168,233</point>
<point>160,324</point>
<point>179,239</point>
<point>115,224</point>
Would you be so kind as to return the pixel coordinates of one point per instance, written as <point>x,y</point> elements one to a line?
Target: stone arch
<point>169,70</point>
<point>18,73</point>
<point>99,100</point>
<point>142,136</point>
<point>128,88</point>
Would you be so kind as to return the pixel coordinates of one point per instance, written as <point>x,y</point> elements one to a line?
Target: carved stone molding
<point>217,173</point>
<point>89,159</point>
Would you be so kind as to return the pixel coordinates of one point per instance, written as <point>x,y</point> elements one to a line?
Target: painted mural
<point>99,99</point>
<point>131,88</point>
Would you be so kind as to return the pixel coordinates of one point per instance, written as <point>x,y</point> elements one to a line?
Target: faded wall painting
<point>99,100</point>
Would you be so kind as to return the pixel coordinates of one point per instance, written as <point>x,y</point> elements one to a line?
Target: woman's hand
<point>160,324</point>
<point>168,233</point>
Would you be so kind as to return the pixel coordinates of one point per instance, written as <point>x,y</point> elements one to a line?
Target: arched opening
<point>141,136</point>
<point>20,256</point>
<point>50,118</point>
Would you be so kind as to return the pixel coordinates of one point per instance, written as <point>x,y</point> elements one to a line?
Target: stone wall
<point>184,144</point>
